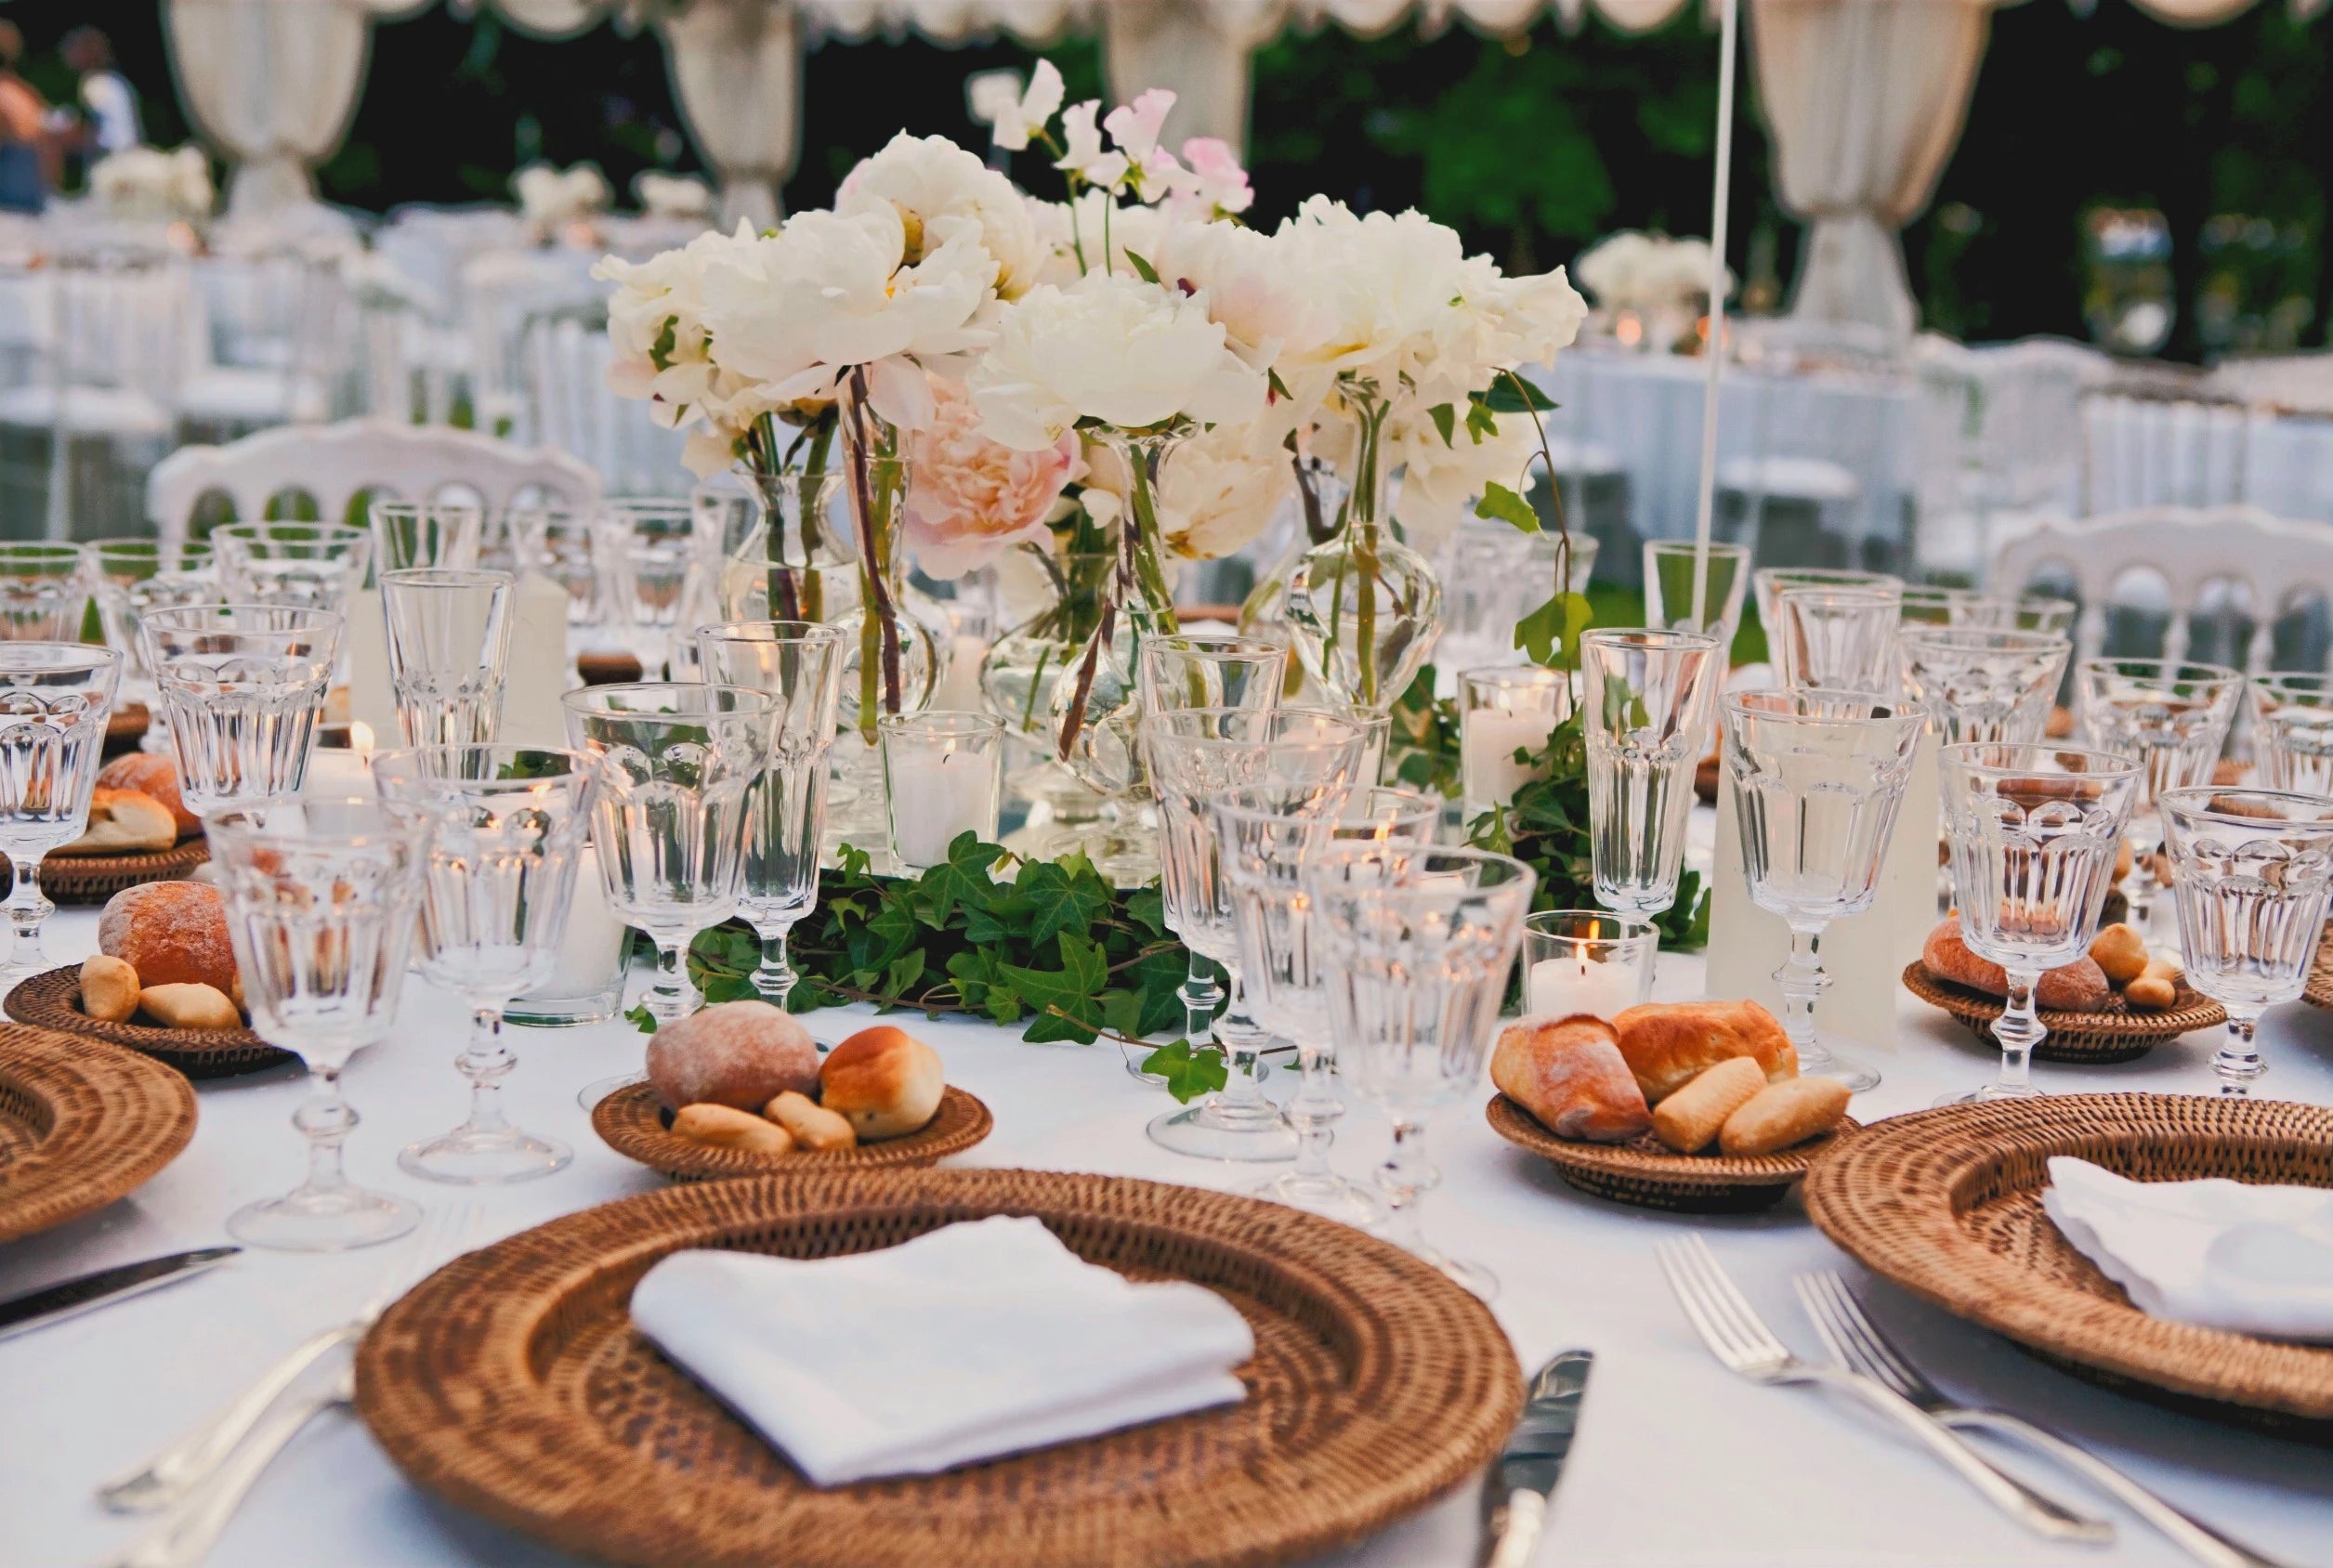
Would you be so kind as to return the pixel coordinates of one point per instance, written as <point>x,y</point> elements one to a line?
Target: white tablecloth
<point>1679,1464</point>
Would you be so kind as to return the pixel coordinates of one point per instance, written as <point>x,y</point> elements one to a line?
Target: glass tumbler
<point>1767,582</point>
<point>410,535</point>
<point>42,592</point>
<point>1502,712</point>
<point>1983,685</point>
<point>300,566</point>
<point>2292,731</point>
<point>55,699</point>
<point>321,899</point>
<point>1839,639</point>
<point>2034,830</point>
<point>647,555</point>
<point>1670,568</point>
<point>1211,670</point>
<point>241,686</point>
<point>2172,719</point>
<point>1647,699</point>
<point>1818,777</point>
<point>448,650</point>
<point>129,576</point>
<point>2250,872</point>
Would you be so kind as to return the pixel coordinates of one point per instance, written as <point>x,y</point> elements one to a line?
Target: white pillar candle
<point>936,796</point>
<point>335,770</point>
<point>1561,986</point>
<point>961,689</point>
<point>1489,739</point>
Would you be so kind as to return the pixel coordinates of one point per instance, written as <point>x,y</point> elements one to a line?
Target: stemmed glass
<point>508,829</point>
<point>320,896</point>
<point>1839,639</point>
<point>410,535</point>
<point>1267,833</point>
<point>2034,829</point>
<point>1671,567</point>
<point>130,577</point>
<point>1417,944</point>
<point>676,766</point>
<point>241,686</point>
<point>1196,754</point>
<point>2251,872</point>
<point>1767,584</point>
<point>798,665</point>
<point>1982,684</point>
<point>2172,719</point>
<point>1647,699</point>
<point>304,566</point>
<point>645,549</point>
<point>448,650</point>
<point>41,592</point>
<point>55,698</point>
<point>1818,777</point>
<point>1928,605</point>
<point>2292,731</point>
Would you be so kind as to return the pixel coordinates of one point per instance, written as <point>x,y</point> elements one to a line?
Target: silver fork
<point>1742,1342</point>
<point>178,1469</point>
<point>1858,1345</point>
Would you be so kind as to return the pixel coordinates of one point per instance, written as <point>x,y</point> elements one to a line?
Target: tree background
<point>1531,146</point>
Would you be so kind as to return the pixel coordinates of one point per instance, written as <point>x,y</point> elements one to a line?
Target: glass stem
<point>326,1120</point>
<point>1200,997</point>
<point>773,976</point>
<point>1243,1039</point>
<point>2018,1030</point>
<point>486,1062</point>
<point>1406,1178</point>
<point>28,909</point>
<point>1313,1112</point>
<point>672,998</point>
<point>1803,982</point>
<point>2239,1059</point>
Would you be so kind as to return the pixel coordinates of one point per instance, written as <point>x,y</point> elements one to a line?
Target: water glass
<point>1818,777</point>
<point>1587,960</point>
<point>798,666</point>
<point>130,577</point>
<point>1197,754</point>
<point>1211,670</point>
<point>321,899</point>
<point>300,566</point>
<point>943,776</point>
<point>1928,605</point>
<point>42,592</point>
<point>1416,948</point>
<point>1839,639</point>
<point>648,556</point>
<point>1767,582</point>
<point>1503,713</point>
<point>2172,719</point>
<point>241,686</point>
<point>1983,685</point>
<point>1492,575</point>
<point>408,535</point>
<point>508,826</point>
<point>2035,831</point>
<point>1670,568</point>
<point>1647,699</point>
<point>448,648</point>
<point>55,699</point>
<point>565,547</point>
<point>2250,872</point>
<point>2292,731</point>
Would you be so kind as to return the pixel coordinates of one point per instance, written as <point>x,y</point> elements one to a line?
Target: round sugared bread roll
<point>172,932</point>
<point>742,1055</point>
<point>151,772</point>
<point>887,1082</point>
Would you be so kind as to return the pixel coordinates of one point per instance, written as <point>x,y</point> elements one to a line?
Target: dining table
<point>1679,1464</point>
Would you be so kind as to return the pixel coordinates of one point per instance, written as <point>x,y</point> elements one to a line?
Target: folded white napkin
<point>972,1342</point>
<point>2253,1260</point>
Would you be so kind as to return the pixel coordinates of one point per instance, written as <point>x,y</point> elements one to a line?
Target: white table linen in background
<point>1679,1464</point>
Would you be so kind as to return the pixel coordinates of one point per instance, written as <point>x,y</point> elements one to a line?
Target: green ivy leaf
<point>1480,421</point>
<point>1512,394</point>
<point>1444,420</point>
<point>1188,1073</point>
<point>1058,897</point>
<point>1555,625</point>
<point>962,878</point>
<point>1067,1001</point>
<point>1502,506</point>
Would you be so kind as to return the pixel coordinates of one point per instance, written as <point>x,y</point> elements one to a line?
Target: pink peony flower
<point>969,498</point>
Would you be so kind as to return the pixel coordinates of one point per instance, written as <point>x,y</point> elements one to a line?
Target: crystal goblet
<point>448,650</point>
<point>130,577</point>
<point>1767,582</point>
<point>412,535</point>
<point>2173,718</point>
<point>2292,730</point>
<point>1671,567</point>
<point>55,699</point>
<point>41,592</point>
<point>300,566</point>
<point>1646,700</point>
<point>242,685</point>
<point>1838,639</point>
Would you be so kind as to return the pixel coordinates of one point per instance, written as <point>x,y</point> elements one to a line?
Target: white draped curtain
<point>1866,100</point>
<point>737,70</point>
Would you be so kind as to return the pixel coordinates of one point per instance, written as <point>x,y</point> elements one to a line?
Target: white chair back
<point>565,354</point>
<point>2155,451</point>
<point>333,464</point>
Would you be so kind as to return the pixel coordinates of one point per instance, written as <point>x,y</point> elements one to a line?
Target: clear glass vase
<point>777,566</point>
<point>1017,678</point>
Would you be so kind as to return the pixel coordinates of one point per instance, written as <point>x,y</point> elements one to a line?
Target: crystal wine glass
<point>799,666</point>
<point>448,650</point>
<point>1647,699</point>
<point>2034,830</point>
<point>2292,731</point>
<point>1670,566</point>
<point>55,699</point>
<point>1925,605</point>
<point>1196,754</point>
<point>1767,583</point>
<point>2250,872</point>
<point>1818,777</point>
<point>242,685</point>
<point>1838,639</point>
<point>413,535</point>
<point>130,577</point>
<point>1417,946</point>
<point>647,552</point>
<point>509,825</point>
<point>41,592</point>
<point>2172,719</point>
<point>320,898</point>
<point>1983,685</point>
<point>302,566</point>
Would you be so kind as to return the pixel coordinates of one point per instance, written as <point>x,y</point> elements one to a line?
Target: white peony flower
<point>1632,271</point>
<point>1112,348</point>
<point>1013,115</point>
<point>1216,493</point>
<point>938,186</point>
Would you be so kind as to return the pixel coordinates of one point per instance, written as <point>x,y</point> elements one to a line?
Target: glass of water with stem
<point>1646,699</point>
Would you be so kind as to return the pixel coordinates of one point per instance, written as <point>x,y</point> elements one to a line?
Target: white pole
<point>1714,344</point>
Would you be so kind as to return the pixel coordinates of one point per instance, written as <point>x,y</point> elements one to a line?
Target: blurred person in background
<point>23,142</point>
<point>107,98</point>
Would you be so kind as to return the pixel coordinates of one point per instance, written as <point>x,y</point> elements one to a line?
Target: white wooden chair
<point>2145,451</point>
<point>565,354</point>
<point>333,464</point>
<point>2270,565</point>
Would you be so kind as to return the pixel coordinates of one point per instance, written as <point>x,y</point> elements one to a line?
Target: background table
<point>1677,1463</point>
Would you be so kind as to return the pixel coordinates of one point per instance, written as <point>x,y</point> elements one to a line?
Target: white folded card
<point>970,1342</point>
<point>2219,1254</point>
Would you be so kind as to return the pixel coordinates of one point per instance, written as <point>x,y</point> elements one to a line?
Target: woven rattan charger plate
<point>2118,1035</point>
<point>93,879</point>
<point>512,1383</point>
<point>1650,1174</point>
<point>52,1001</point>
<point>2319,992</point>
<point>634,1123</point>
<point>1947,1204</point>
<point>81,1124</point>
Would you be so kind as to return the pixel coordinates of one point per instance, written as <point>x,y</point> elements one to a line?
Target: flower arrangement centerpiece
<point>146,183</point>
<point>1648,288</point>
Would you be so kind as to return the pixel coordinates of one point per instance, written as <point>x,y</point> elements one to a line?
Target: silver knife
<point>1524,1476</point>
<point>54,1303</point>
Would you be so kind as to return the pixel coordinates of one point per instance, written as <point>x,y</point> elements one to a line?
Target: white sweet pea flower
<point>935,185</point>
<point>1070,233</point>
<point>1112,348</point>
<point>1214,177</point>
<point>1014,117</point>
<point>1082,152</point>
<point>1152,169</point>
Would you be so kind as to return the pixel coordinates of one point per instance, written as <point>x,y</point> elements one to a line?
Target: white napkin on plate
<point>2221,1254</point>
<point>970,1341</point>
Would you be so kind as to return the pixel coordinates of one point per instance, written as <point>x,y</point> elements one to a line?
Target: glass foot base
<point>1158,1080</point>
<point>599,1089</point>
<point>1472,1276</point>
<point>339,1220</point>
<point>1331,1198</point>
<point>1995,1090</point>
<point>1204,1133</point>
<point>1821,1062</point>
<point>467,1158</point>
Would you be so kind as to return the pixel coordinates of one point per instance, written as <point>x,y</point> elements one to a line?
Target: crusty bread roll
<point>2120,953</point>
<point>109,989</point>
<point>726,1127</point>
<point>1667,1044</point>
<point>1688,1120</point>
<point>885,1080</point>
<point>1568,1073</point>
<point>736,1053</point>
<point>123,822</point>
<point>813,1126</point>
<point>1784,1114</point>
<point>190,1006</point>
<point>172,932</point>
<point>2150,995</point>
<point>154,775</point>
<point>2079,987</point>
